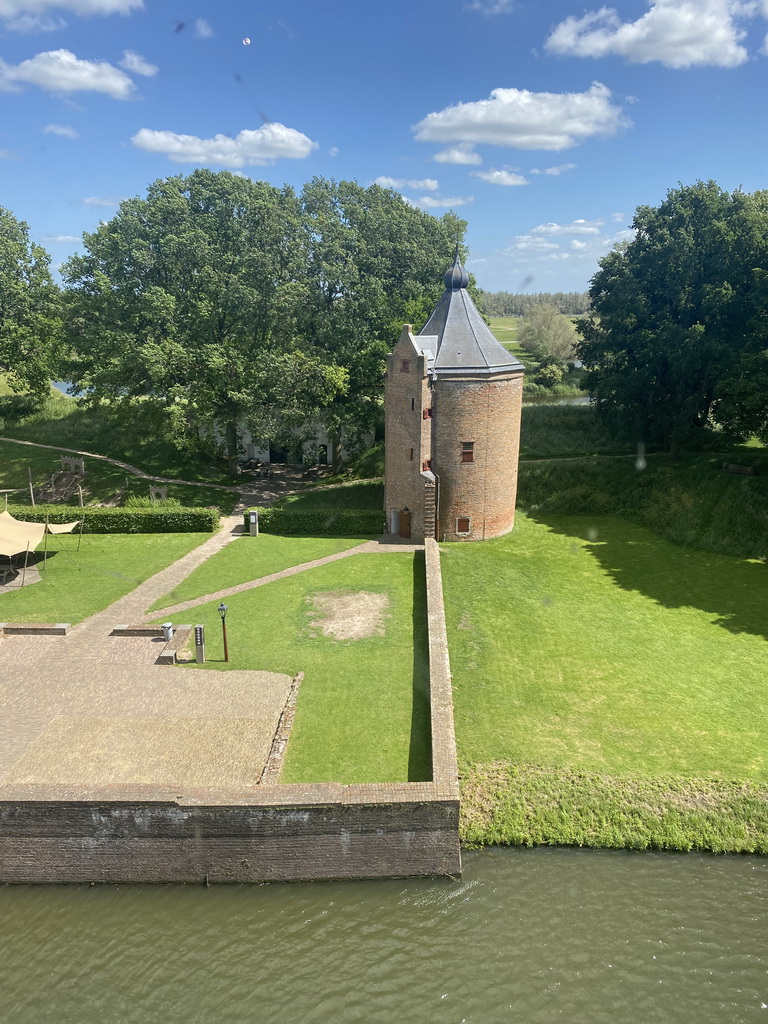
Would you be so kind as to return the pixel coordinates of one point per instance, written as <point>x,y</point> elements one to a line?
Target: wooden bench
<point>34,628</point>
<point>170,653</point>
<point>732,467</point>
<point>142,629</point>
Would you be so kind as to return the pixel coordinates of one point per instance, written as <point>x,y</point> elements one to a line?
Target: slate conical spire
<point>464,345</point>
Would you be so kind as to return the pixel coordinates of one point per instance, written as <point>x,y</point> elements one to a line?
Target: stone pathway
<point>382,546</point>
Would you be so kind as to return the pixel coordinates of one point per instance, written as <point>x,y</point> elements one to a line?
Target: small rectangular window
<point>411,454</point>
<point>427,414</point>
<point>467,451</point>
<point>427,464</point>
<point>405,366</point>
<point>463,524</point>
<point>413,404</point>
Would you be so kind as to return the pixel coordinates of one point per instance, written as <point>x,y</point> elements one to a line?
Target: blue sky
<point>544,124</point>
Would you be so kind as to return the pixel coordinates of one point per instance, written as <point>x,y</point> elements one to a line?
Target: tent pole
<point>80,537</point>
<point>45,550</point>
<point>24,572</point>
<point>31,492</point>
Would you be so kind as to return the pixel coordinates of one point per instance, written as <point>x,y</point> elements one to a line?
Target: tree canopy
<point>232,302</point>
<point>678,334</point>
<point>30,309</point>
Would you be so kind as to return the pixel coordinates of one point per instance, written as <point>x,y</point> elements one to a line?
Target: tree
<point>547,334</point>
<point>230,302</point>
<point>187,299</point>
<point>373,263</point>
<point>30,309</point>
<point>677,337</point>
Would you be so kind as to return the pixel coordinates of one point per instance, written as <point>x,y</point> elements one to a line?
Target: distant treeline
<point>510,304</point>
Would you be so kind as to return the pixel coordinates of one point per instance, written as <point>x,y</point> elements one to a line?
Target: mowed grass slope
<point>589,644</point>
<point>250,558</point>
<point>363,711</point>
<point>76,584</point>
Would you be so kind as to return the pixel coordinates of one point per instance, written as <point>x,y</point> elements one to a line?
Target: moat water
<point>527,936</point>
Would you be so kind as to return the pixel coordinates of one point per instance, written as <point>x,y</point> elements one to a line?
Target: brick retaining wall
<point>258,833</point>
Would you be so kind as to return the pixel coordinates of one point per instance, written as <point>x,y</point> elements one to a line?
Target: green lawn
<point>249,558</point>
<point>139,436</point>
<point>101,483</point>
<point>363,713</point>
<point>76,584</point>
<point>591,644</point>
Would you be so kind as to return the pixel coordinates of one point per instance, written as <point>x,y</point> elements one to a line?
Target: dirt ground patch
<point>345,615</point>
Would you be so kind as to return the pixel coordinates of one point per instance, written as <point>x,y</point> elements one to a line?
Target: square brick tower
<point>452,403</point>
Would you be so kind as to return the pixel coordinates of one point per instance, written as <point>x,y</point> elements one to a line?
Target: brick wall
<point>407,432</point>
<point>487,414</point>
<point>253,834</point>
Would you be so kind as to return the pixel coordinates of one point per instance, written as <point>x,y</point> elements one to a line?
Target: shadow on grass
<point>420,751</point>
<point>733,590</point>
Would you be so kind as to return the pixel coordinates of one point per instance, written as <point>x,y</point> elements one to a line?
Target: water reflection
<point>527,936</point>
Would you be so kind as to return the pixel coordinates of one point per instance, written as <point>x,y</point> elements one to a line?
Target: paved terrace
<point>90,709</point>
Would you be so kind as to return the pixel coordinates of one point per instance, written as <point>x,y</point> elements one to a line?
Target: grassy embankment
<point>609,681</point>
<point>137,440</point>
<point>76,584</point>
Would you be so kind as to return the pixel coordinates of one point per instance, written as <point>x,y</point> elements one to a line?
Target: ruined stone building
<point>452,402</point>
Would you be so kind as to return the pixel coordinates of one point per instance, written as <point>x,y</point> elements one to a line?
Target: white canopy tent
<point>17,536</point>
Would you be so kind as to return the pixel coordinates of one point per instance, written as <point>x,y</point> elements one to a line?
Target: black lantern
<point>222,610</point>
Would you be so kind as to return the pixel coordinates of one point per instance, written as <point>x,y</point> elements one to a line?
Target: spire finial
<point>456,277</point>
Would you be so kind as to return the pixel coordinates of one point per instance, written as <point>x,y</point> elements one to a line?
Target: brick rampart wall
<point>258,833</point>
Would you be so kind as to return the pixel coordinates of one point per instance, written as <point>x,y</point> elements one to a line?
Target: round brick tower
<point>477,389</point>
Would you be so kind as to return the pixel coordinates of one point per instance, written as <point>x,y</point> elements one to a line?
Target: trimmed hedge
<point>123,520</point>
<point>319,522</point>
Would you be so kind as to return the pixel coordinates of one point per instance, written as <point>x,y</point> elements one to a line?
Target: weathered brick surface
<point>486,412</point>
<point>408,434</point>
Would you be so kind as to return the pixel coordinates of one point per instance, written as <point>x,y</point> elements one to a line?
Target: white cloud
<point>440,202</point>
<point>102,201</point>
<point>559,255</point>
<point>333,151</point>
<point>617,218</point>
<point>429,184</point>
<point>576,244</point>
<point>61,238</point>
<point>678,33</point>
<point>6,154</point>
<point>526,120</point>
<point>461,154</point>
<point>527,243</point>
<point>59,71</point>
<point>494,177</point>
<point>203,29</point>
<point>554,171</point>
<point>137,64</point>
<point>492,6</point>
<point>37,16</point>
<point>63,130</point>
<point>576,227</point>
<point>261,147</point>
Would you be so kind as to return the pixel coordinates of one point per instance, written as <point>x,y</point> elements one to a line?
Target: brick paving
<point>89,708</point>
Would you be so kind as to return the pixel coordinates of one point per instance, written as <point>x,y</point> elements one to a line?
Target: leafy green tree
<point>373,263</point>
<point>188,299</point>
<point>547,334</point>
<point>677,337</point>
<point>30,309</point>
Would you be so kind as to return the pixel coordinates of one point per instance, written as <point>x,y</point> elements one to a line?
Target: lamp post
<point>223,613</point>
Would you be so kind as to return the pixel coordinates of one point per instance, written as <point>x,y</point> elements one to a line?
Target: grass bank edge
<point>530,805</point>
